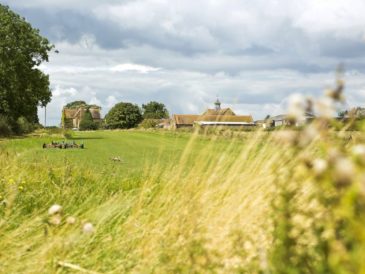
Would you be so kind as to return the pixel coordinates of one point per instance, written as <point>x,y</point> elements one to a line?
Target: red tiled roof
<point>223,111</point>
<point>190,119</point>
<point>183,119</point>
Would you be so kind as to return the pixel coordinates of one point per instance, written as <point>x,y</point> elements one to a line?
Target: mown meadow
<point>289,201</point>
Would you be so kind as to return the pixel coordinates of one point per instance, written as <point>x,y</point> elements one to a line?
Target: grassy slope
<point>178,204</point>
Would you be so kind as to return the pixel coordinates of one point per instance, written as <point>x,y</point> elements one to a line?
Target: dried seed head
<point>325,108</point>
<point>319,166</point>
<point>88,228</point>
<point>297,107</point>
<point>55,209</point>
<point>71,220</point>
<point>344,172</point>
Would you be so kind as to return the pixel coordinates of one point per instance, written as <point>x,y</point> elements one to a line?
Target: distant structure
<point>212,117</point>
<point>284,120</point>
<point>73,113</point>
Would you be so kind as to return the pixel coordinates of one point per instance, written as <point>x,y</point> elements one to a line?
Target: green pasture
<point>137,150</point>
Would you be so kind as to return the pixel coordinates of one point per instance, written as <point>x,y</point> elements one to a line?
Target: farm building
<point>285,120</point>
<point>212,117</point>
<point>73,113</point>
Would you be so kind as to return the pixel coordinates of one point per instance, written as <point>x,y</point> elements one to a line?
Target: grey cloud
<point>342,48</point>
<point>252,54</point>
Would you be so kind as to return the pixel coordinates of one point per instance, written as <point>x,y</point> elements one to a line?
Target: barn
<point>212,117</point>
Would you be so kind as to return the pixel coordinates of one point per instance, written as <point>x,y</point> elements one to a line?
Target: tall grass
<point>273,202</point>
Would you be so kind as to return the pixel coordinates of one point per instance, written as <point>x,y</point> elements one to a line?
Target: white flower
<point>319,166</point>
<point>296,108</point>
<point>88,228</point>
<point>344,171</point>
<point>71,220</point>
<point>325,108</point>
<point>55,209</point>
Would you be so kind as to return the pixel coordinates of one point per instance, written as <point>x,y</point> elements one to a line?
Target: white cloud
<point>253,54</point>
<point>111,101</point>
<point>133,67</point>
<point>60,92</point>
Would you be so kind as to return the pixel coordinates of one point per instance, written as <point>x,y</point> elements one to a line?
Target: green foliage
<point>149,123</point>
<point>23,126</point>
<point>76,104</point>
<point>154,110</point>
<point>23,86</point>
<point>124,116</point>
<point>68,134</point>
<point>87,122</point>
<point>5,129</point>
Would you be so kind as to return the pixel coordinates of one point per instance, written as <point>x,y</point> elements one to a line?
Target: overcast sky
<point>185,53</point>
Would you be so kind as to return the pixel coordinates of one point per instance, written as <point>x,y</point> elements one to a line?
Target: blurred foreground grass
<point>262,202</point>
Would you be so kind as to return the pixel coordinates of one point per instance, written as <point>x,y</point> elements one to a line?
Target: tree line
<point>126,115</point>
<point>23,86</point>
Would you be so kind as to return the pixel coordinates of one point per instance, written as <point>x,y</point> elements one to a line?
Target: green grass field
<point>90,186</point>
<point>176,203</point>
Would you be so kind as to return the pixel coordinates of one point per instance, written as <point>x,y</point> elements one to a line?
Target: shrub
<point>5,129</point>
<point>23,126</point>
<point>87,122</point>
<point>149,123</point>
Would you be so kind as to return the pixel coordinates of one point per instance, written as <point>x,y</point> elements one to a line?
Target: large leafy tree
<point>23,86</point>
<point>154,110</point>
<point>123,115</point>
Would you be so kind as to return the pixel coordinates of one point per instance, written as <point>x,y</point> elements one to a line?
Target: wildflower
<point>344,171</point>
<point>71,220</point>
<point>88,228</point>
<point>55,209</point>
<point>20,188</point>
<point>319,166</point>
<point>11,182</point>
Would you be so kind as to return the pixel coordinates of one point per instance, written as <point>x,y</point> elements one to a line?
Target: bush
<point>23,126</point>
<point>87,122</point>
<point>123,115</point>
<point>5,129</point>
<point>149,123</point>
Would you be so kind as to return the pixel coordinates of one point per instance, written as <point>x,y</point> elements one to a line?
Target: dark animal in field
<point>63,145</point>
